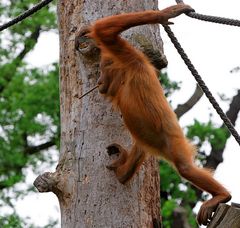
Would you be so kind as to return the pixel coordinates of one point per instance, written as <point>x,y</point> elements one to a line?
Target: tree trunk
<point>89,194</point>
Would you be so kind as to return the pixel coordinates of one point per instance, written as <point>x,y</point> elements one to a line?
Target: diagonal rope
<point>202,84</point>
<point>180,50</point>
<point>214,19</point>
<point>25,14</point>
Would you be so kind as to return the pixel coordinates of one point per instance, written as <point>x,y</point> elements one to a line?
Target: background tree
<point>29,102</point>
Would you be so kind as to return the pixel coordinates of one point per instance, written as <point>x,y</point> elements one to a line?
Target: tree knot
<point>45,182</point>
<point>84,44</point>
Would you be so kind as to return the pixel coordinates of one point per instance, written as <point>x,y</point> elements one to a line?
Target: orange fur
<point>131,82</point>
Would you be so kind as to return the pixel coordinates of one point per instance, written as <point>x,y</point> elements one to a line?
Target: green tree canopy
<point>29,100</point>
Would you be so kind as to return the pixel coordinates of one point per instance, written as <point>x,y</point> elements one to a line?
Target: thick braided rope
<point>214,19</point>
<point>202,84</point>
<point>219,20</point>
<point>24,15</point>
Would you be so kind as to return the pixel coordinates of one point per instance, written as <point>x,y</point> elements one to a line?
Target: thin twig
<point>89,91</point>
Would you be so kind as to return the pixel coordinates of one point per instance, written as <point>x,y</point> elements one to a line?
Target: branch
<point>234,108</point>
<point>35,149</point>
<point>183,108</point>
<point>216,156</point>
<point>59,181</point>
<point>46,182</point>
<point>28,150</point>
<point>27,47</point>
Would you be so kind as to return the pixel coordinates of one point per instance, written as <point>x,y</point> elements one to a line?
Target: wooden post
<point>226,216</point>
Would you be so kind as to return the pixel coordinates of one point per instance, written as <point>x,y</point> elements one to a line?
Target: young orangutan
<point>131,83</point>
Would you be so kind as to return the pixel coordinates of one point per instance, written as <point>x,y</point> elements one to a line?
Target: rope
<point>214,19</point>
<point>25,14</point>
<point>174,40</point>
<point>202,84</point>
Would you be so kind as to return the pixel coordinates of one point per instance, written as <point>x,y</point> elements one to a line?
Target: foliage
<point>175,192</point>
<point>29,108</point>
<point>208,132</point>
<point>168,85</point>
<point>29,101</point>
<point>11,221</point>
<point>29,115</point>
<point>14,221</point>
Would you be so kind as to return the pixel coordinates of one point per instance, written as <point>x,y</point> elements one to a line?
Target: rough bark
<point>226,216</point>
<point>89,194</point>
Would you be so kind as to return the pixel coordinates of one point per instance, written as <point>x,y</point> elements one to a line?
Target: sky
<point>214,50</point>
